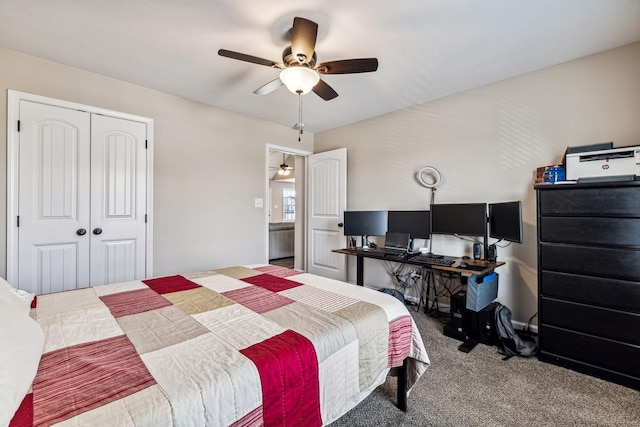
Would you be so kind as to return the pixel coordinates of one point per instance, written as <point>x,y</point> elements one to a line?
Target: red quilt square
<point>271,282</point>
<point>24,415</point>
<point>133,302</point>
<point>164,285</point>
<point>288,368</point>
<point>82,377</point>
<point>257,299</point>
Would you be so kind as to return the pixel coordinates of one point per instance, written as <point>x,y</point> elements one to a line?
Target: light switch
<point>258,203</point>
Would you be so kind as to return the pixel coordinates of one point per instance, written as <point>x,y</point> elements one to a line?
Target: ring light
<point>433,171</point>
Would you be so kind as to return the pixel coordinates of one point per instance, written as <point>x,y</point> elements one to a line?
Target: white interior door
<point>54,198</point>
<point>327,200</point>
<point>118,200</point>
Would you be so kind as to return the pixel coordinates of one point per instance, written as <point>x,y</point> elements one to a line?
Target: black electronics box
<point>481,325</point>
<point>458,311</point>
<point>458,304</point>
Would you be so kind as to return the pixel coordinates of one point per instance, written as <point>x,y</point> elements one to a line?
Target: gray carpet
<point>480,389</point>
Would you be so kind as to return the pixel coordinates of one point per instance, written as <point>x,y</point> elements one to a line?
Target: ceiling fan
<point>282,172</point>
<point>284,168</point>
<point>300,73</point>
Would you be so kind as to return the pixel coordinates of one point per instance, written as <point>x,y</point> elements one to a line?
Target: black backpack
<point>507,340</point>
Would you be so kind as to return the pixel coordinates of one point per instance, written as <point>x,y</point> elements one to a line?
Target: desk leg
<point>468,345</point>
<point>431,283</point>
<point>359,271</point>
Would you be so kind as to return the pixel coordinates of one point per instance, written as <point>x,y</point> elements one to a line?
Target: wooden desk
<point>464,273</point>
<point>453,268</point>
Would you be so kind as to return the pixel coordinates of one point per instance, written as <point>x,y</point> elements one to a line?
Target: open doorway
<point>286,207</point>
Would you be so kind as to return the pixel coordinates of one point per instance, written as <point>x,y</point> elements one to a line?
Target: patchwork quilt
<point>239,346</point>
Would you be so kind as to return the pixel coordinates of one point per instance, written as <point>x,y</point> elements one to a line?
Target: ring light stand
<point>432,186</point>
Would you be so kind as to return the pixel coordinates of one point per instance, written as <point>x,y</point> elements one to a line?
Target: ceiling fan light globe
<point>299,80</point>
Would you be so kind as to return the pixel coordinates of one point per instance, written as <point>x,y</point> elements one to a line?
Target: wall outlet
<point>258,202</point>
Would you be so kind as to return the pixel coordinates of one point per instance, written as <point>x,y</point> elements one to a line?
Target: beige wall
<point>210,164</point>
<point>487,143</point>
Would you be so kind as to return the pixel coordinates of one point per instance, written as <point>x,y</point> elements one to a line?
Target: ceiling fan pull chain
<point>299,116</point>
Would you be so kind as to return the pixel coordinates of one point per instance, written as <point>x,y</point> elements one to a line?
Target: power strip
<point>411,300</point>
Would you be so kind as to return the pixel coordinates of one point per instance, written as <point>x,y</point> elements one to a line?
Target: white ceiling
<point>426,49</point>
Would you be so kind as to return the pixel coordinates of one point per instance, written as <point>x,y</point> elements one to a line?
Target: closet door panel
<point>53,206</point>
<point>118,170</point>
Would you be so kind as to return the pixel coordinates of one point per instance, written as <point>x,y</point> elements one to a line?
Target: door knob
<point>97,231</point>
<point>81,232</point>
<point>340,225</point>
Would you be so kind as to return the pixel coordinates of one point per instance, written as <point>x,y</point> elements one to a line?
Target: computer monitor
<point>465,219</point>
<point>505,221</point>
<point>365,223</point>
<point>416,223</point>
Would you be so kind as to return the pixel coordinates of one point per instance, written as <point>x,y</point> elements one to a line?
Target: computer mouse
<point>465,257</point>
<point>463,265</point>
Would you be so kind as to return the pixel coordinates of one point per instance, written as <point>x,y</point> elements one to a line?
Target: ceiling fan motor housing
<point>291,60</point>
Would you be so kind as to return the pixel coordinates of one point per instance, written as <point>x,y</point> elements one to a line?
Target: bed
<point>238,346</point>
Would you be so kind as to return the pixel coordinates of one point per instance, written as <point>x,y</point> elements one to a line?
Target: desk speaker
<point>492,253</point>
<point>477,250</point>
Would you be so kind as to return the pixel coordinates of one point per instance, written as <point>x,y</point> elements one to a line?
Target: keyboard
<point>385,252</point>
<point>432,260</point>
<point>396,252</point>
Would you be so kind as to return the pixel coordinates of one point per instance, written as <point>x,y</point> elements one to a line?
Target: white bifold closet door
<point>81,197</point>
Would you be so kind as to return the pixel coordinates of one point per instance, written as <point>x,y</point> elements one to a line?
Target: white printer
<point>601,163</point>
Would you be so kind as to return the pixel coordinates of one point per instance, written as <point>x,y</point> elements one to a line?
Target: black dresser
<point>589,278</point>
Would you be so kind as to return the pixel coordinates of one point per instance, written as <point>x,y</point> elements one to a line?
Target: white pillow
<point>19,298</point>
<point>21,341</point>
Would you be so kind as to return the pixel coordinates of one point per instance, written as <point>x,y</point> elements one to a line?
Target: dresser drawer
<point>602,322</point>
<point>621,201</point>
<point>619,232</point>
<point>602,292</point>
<point>608,354</point>
<point>591,261</point>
